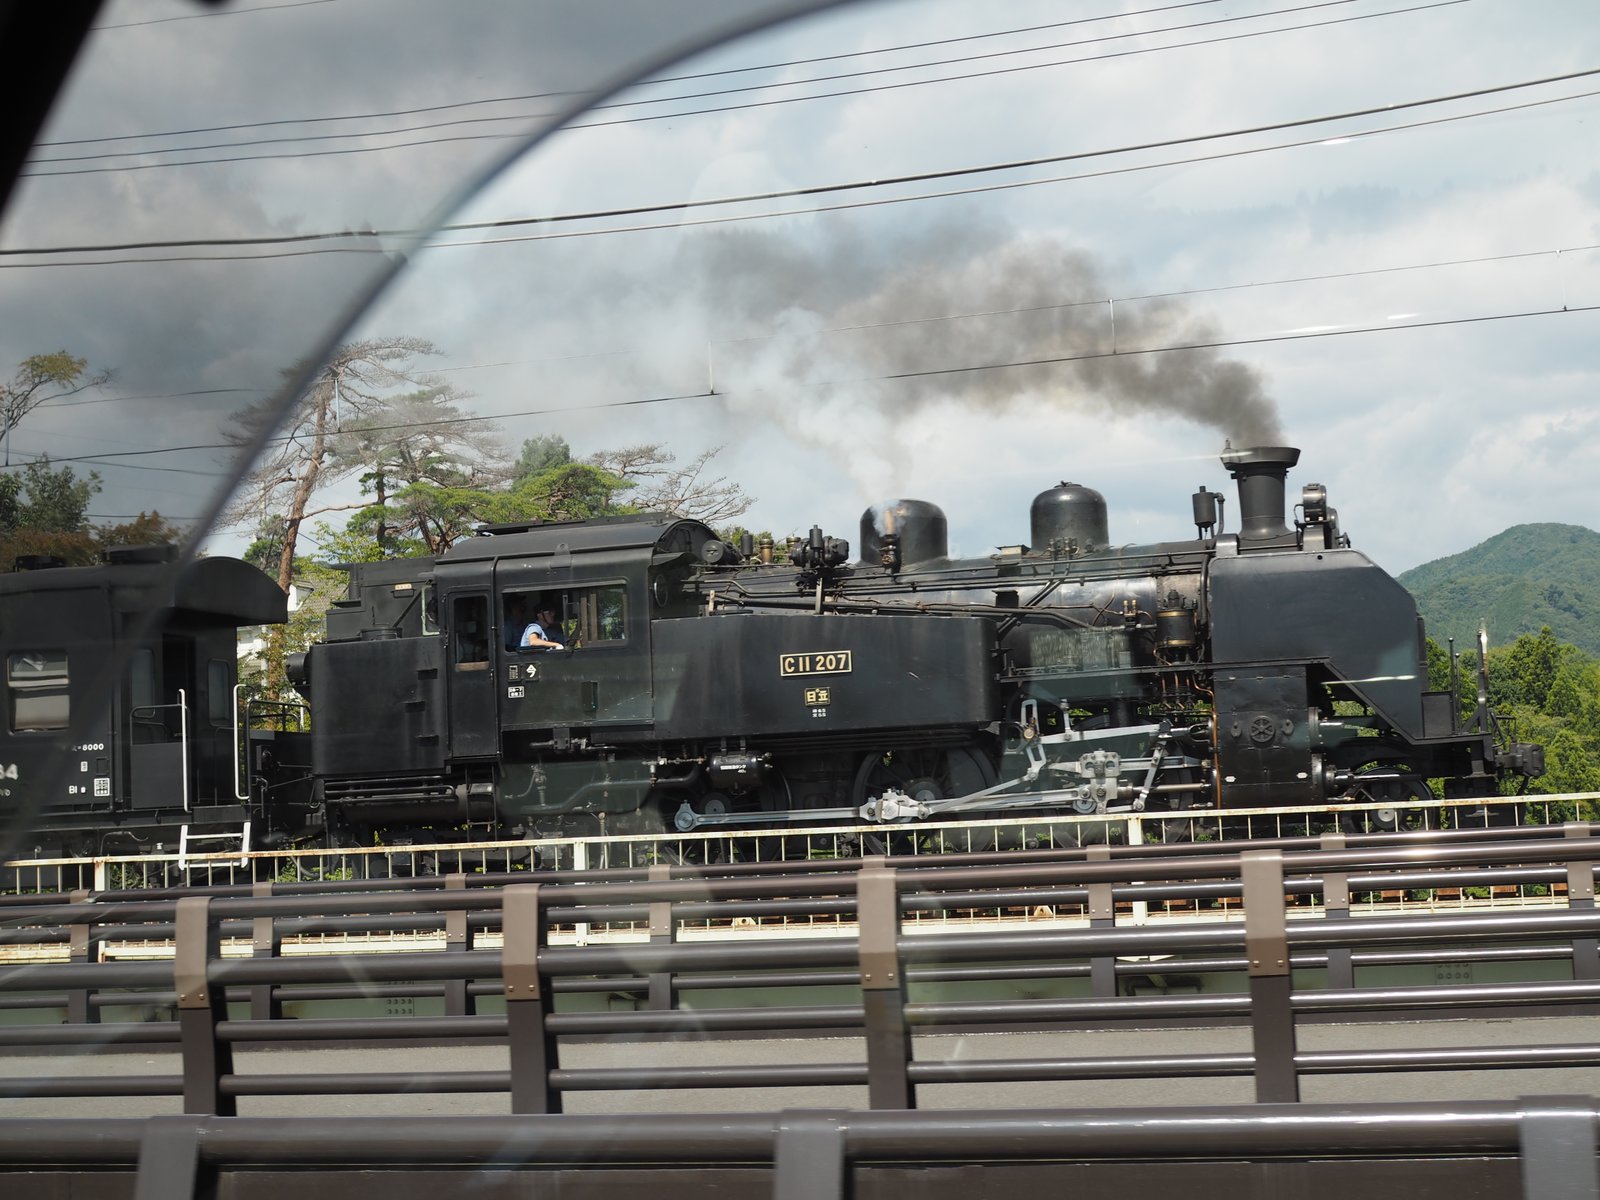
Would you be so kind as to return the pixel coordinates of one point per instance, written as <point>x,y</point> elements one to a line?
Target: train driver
<point>544,632</point>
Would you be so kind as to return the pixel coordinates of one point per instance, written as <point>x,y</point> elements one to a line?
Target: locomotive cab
<point>600,580</point>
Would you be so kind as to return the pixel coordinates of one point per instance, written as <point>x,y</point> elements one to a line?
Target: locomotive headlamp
<point>1314,503</point>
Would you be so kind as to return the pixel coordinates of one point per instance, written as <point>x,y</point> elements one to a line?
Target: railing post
<point>663,930</point>
<point>200,1007</point>
<point>533,1048</point>
<point>265,942</point>
<point>808,1160</point>
<point>1558,1148</point>
<point>456,1003</point>
<point>883,997</point>
<point>82,947</point>
<point>169,1161</point>
<point>1580,895</point>
<point>1336,907</point>
<point>1271,984</point>
<point>1102,915</point>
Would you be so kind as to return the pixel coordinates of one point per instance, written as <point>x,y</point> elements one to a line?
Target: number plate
<point>820,662</point>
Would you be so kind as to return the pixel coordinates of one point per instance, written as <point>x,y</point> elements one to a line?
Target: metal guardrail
<point>510,951</point>
<point>160,870</point>
<point>1281,927</point>
<point>1541,1148</point>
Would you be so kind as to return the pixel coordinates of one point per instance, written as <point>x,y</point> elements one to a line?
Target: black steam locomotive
<point>701,684</point>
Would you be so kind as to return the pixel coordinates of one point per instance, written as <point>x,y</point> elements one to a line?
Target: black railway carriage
<point>704,684</point>
<point>155,756</point>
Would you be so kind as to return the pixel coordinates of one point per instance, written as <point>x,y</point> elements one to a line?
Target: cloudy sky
<point>903,249</point>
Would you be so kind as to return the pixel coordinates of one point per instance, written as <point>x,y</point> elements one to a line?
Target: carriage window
<point>219,693</point>
<point>599,614</point>
<point>37,683</point>
<point>469,628</point>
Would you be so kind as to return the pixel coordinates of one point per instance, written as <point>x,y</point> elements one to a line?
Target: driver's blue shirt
<point>536,630</point>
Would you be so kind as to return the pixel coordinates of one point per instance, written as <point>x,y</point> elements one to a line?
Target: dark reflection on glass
<point>217,192</point>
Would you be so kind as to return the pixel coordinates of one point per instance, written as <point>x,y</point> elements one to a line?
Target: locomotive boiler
<point>701,683</point>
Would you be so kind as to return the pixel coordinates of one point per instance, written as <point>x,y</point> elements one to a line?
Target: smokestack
<point>1260,472</point>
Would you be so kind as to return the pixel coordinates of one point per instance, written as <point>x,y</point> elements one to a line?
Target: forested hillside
<point>1520,581</point>
<point>1551,691</point>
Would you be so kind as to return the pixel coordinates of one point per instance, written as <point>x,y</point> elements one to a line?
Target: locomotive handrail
<point>239,791</point>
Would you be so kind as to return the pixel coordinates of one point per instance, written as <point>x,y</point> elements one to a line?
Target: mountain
<point>1517,581</point>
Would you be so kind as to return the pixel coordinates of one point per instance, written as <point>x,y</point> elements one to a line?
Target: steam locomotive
<point>699,684</point>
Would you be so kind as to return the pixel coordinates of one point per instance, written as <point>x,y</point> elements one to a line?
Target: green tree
<point>44,511</point>
<point>540,454</point>
<point>1523,672</point>
<point>46,499</point>
<point>37,379</point>
<point>426,463</point>
<point>356,383</point>
<point>657,483</point>
<point>572,491</point>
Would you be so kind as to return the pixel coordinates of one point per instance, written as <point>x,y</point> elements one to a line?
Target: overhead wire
<point>971,368</point>
<point>216,12</point>
<point>742,107</point>
<point>862,184</point>
<point>659,79</point>
<point>1093,302</point>
<point>619,104</point>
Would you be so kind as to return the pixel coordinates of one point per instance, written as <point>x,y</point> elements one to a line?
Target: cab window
<point>469,623</point>
<point>595,616</point>
<point>599,615</point>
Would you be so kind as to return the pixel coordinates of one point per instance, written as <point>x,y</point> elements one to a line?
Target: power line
<point>843,206</point>
<point>1225,344</point>
<point>622,104</point>
<point>154,396</point>
<point>853,185</point>
<point>220,12</point>
<point>974,368</point>
<point>431,108</point>
<point>35,456</point>
<point>738,107</point>
<point>1095,302</point>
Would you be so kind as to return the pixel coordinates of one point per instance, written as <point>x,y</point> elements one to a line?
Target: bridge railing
<point>1540,1148</point>
<point>454,853</point>
<point>888,948</point>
